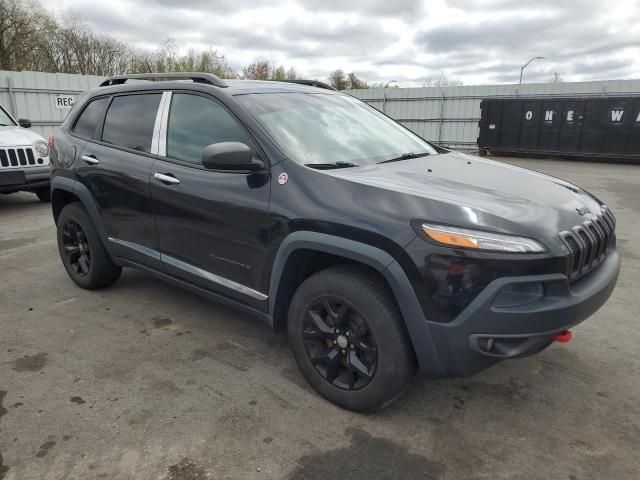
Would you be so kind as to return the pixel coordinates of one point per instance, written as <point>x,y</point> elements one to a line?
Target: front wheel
<point>349,340</point>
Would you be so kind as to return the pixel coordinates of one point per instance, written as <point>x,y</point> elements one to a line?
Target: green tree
<point>355,82</point>
<point>338,80</point>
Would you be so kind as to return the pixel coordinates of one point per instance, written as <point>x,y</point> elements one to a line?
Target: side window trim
<point>159,140</point>
<point>164,124</point>
<point>97,134</point>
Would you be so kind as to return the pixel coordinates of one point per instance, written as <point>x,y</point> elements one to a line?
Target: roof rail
<point>312,83</point>
<point>196,77</point>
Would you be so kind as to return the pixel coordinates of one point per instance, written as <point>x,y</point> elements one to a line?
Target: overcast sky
<point>476,41</point>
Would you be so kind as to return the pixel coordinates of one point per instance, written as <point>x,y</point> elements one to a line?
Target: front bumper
<point>483,334</point>
<point>25,179</point>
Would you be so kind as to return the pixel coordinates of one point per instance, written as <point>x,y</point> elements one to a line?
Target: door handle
<point>166,178</point>
<point>90,159</point>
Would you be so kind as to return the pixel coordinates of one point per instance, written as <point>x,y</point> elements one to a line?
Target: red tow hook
<point>563,337</point>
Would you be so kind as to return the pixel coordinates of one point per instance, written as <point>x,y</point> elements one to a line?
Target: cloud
<point>477,41</point>
<point>395,8</point>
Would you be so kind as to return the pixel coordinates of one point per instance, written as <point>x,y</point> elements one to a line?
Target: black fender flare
<point>82,193</point>
<point>414,319</point>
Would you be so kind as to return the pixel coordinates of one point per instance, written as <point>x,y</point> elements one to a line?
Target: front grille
<point>17,157</point>
<point>589,243</point>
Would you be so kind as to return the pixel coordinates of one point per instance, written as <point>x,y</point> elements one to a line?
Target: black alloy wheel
<point>75,246</point>
<point>339,343</point>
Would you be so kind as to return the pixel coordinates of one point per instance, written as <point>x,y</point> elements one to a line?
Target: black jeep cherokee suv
<point>380,253</point>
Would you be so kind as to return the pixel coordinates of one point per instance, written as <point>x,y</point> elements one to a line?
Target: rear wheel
<point>83,255</point>
<point>348,338</point>
<point>44,194</point>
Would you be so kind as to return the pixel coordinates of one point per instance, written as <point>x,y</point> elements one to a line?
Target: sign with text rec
<point>64,102</point>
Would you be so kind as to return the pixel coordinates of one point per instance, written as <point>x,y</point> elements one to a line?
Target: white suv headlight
<point>477,240</point>
<point>41,148</point>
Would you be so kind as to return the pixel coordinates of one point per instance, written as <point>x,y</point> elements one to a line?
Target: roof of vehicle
<point>230,87</point>
<point>264,86</point>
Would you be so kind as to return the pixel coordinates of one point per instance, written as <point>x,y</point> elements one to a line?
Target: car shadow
<point>19,202</point>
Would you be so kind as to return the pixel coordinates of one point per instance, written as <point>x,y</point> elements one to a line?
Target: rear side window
<point>195,122</point>
<point>130,120</point>
<point>90,117</point>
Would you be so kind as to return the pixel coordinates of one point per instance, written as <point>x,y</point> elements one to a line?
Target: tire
<point>97,270</point>
<point>367,301</point>
<point>44,194</point>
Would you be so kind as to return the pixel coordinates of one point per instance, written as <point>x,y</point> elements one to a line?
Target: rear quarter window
<point>130,120</point>
<point>90,117</point>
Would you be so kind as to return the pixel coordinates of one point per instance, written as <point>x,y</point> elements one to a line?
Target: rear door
<point>115,165</point>
<point>213,226</point>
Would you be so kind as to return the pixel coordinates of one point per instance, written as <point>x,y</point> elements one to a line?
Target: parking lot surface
<point>146,381</point>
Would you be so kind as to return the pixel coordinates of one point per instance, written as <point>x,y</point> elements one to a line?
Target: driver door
<point>212,225</point>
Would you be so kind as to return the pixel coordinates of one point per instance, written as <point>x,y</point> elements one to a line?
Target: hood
<point>17,137</point>
<point>483,193</point>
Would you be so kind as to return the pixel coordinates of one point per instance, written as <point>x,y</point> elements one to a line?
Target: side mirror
<point>24,123</point>
<point>230,156</point>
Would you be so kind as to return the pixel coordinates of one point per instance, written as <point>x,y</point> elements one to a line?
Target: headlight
<point>476,240</point>
<point>41,148</point>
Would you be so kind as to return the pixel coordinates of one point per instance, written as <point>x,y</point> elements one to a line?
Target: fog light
<point>519,294</point>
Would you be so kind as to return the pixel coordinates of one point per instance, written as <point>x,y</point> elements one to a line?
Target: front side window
<point>195,122</point>
<point>88,120</point>
<point>5,119</point>
<point>130,120</point>
<point>317,128</point>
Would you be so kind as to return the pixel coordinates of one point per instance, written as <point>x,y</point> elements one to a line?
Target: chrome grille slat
<point>11,157</point>
<point>589,243</point>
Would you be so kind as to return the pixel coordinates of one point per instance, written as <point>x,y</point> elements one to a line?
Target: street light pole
<point>526,65</point>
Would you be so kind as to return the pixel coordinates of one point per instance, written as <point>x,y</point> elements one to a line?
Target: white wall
<point>32,94</point>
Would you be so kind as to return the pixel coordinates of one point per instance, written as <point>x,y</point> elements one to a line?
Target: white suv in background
<point>24,158</point>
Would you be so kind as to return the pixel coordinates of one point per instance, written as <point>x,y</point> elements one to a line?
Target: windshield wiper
<point>406,156</point>
<point>329,166</point>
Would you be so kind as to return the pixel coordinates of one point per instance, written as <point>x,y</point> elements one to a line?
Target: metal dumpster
<point>606,127</point>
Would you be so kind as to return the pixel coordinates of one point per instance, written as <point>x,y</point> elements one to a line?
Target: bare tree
<point>442,81</point>
<point>265,70</point>
<point>292,74</point>
<point>31,38</point>
<point>21,27</point>
<point>257,70</point>
<point>556,78</point>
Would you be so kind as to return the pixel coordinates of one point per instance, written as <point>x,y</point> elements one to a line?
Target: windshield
<point>5,119</point>
<point>328,128</point>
